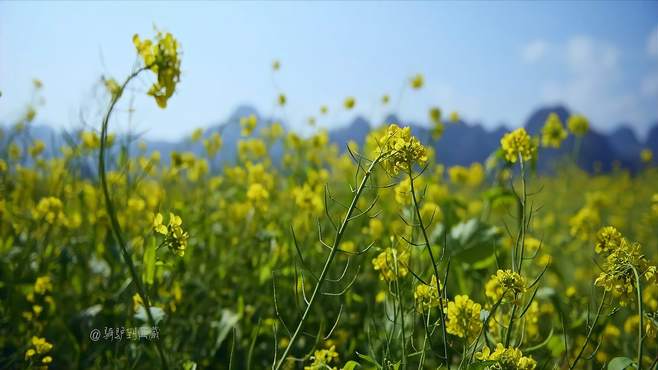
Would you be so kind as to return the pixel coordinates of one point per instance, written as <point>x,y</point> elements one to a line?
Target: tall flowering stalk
<point>160,57</point>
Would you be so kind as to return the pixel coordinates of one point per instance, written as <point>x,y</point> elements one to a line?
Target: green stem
<point>325,269</point>
<point>434,265</point>
<point>589,333</point>
<point>640,337</point>
<point>114,222</point>
<point>401,306</point>
<point>523,215</point>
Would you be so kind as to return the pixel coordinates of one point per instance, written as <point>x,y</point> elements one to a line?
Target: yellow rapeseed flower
<point>578,125</point>
<point>349,102</point>
<point>463,317</point>
<point>517,144</point>
<point>553,133</point>
<point>400,149</point>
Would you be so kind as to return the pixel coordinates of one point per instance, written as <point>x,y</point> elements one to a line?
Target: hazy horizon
<point>493,63</point>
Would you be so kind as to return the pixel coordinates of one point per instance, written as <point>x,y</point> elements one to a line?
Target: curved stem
<point>589,333</point>
<point>434,265</point>
<point>323,275</point>
<point>114,222</point>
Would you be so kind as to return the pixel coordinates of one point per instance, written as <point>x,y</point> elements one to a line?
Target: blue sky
<point>493,62</point>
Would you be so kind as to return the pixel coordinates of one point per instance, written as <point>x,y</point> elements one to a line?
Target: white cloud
<point>594,84</point>
<point>652,43</point>
<point>534,51</point>
<point>650,85</point>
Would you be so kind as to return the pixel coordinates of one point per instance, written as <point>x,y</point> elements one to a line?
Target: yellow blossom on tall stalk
<point>400,149</point>
<point>322,359</point>
<point>463,317</point>
<point>506,358</point>
<point>282,100</point>
<point>505,284</point>
<point>517,144</point>
<point>427,295</point>
<point>553,133</point>
<point>391,264</point>
<point>161,56</point>
<point>624,264</point>
<point>578,125</point>
<point>175,238</point>
<point>38,352</point>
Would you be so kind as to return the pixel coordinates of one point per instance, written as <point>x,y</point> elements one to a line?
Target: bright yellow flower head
<point>517,144</point>
<point>427,296</point>
<point>175,238</point>
<point>322,359</point>
<point>161,56</point>
<point>607,240</point>
<point>400,150</point>
<point>505,284</point>
<point>578,125</point>
<point>553,133</point>
<point>389,261</point>
<point>507,358</point>
<point>43,285</point>
<point>463,317</point>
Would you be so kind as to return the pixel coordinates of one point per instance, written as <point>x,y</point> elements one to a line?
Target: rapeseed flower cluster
<point>463,317</point>
<point>518,144</point>
<point>323,358</point>
<point>578,125</point>
<point>37,354</point>
<point>505,284</point>
<point>391,264</point>
<point>427,296</point>
<point>161,56</point>
<point>400,150</point>
<point>553,132</point>
<point>175,238</point>
<point>623,260</point>
<point>506,358</point>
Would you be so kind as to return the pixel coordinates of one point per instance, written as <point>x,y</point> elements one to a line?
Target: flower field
<point>371,256</point>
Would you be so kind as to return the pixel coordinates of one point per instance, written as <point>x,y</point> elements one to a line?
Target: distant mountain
<point>462,143</point>
<point>652,139</point>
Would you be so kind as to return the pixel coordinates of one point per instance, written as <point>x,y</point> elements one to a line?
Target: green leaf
<point>620,363</point>
<point>224,326</point>
<point>370,361</point>
<point>473,242</point>
<point>149,262</point>
<point>351,365</point>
